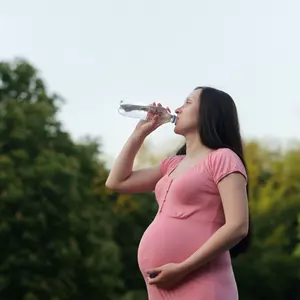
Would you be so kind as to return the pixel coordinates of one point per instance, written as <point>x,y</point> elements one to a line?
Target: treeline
<point>64,236</point>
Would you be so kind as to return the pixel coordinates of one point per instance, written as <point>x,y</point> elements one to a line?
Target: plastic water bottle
<point>142,112</point>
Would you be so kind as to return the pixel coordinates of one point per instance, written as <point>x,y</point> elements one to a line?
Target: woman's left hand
<point>166,276</point>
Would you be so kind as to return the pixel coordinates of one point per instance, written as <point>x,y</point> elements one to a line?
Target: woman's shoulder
<point>170,162</point>
<point>224,154</point>
<point>223,162</point>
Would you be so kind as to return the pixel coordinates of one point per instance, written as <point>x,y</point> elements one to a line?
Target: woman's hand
<point>167,276</point>
<point>145,127</point>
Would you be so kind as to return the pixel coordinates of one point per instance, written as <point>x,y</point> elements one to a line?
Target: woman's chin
<point>177,130</point>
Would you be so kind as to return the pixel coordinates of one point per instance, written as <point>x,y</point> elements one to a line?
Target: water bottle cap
<point>173,119</point>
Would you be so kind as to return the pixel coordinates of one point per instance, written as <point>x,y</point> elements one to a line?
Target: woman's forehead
<point>195,94</point>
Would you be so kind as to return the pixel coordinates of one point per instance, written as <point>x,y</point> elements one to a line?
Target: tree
<point>55,231</point>
<point>65,236</point>
<point>271,268</point>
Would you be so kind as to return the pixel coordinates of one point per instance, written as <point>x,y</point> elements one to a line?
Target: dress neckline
<point>181,157</point>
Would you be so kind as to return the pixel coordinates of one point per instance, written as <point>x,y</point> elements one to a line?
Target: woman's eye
<point>187,102</point>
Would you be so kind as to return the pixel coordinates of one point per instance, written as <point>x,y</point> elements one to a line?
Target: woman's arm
<point>233,194</point>
<point>123,179</point>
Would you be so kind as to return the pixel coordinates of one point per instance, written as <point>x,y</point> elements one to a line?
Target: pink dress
<point>190,211</point>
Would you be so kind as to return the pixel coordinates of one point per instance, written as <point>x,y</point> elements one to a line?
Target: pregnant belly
<point>171,240</point>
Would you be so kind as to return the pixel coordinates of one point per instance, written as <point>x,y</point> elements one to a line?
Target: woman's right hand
<point>145,127</point>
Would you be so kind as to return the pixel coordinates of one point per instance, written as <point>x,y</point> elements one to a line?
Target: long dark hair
<point>219,128</point>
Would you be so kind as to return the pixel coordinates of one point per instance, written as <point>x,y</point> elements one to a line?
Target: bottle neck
<point>173,118</point>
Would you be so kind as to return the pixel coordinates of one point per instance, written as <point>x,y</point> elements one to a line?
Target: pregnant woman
<point>202,197</point>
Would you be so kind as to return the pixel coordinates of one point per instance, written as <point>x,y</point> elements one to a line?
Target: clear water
<point>140,111</point>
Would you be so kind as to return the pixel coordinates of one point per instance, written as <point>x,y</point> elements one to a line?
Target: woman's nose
<point>177,110</point>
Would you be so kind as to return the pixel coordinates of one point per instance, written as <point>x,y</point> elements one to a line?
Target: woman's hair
<point>219,128</point>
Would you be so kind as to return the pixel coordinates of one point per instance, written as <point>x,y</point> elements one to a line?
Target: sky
<point>96,53</point>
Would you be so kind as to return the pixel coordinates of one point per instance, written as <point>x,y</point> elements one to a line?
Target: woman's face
<point>188,114</point>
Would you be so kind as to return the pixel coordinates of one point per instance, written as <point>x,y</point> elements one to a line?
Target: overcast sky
<point>95,53</point>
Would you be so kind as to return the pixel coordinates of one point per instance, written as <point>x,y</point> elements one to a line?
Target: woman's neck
<point>194,147</point>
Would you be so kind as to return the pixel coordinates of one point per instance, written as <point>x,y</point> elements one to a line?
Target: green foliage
<point>271,268</point>
<point>65,236</point>
<point>56,241</point>
<point>134,214</point>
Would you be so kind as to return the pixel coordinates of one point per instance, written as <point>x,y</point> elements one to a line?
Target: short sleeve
<point>168,164</point>
<point>224,162</point>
